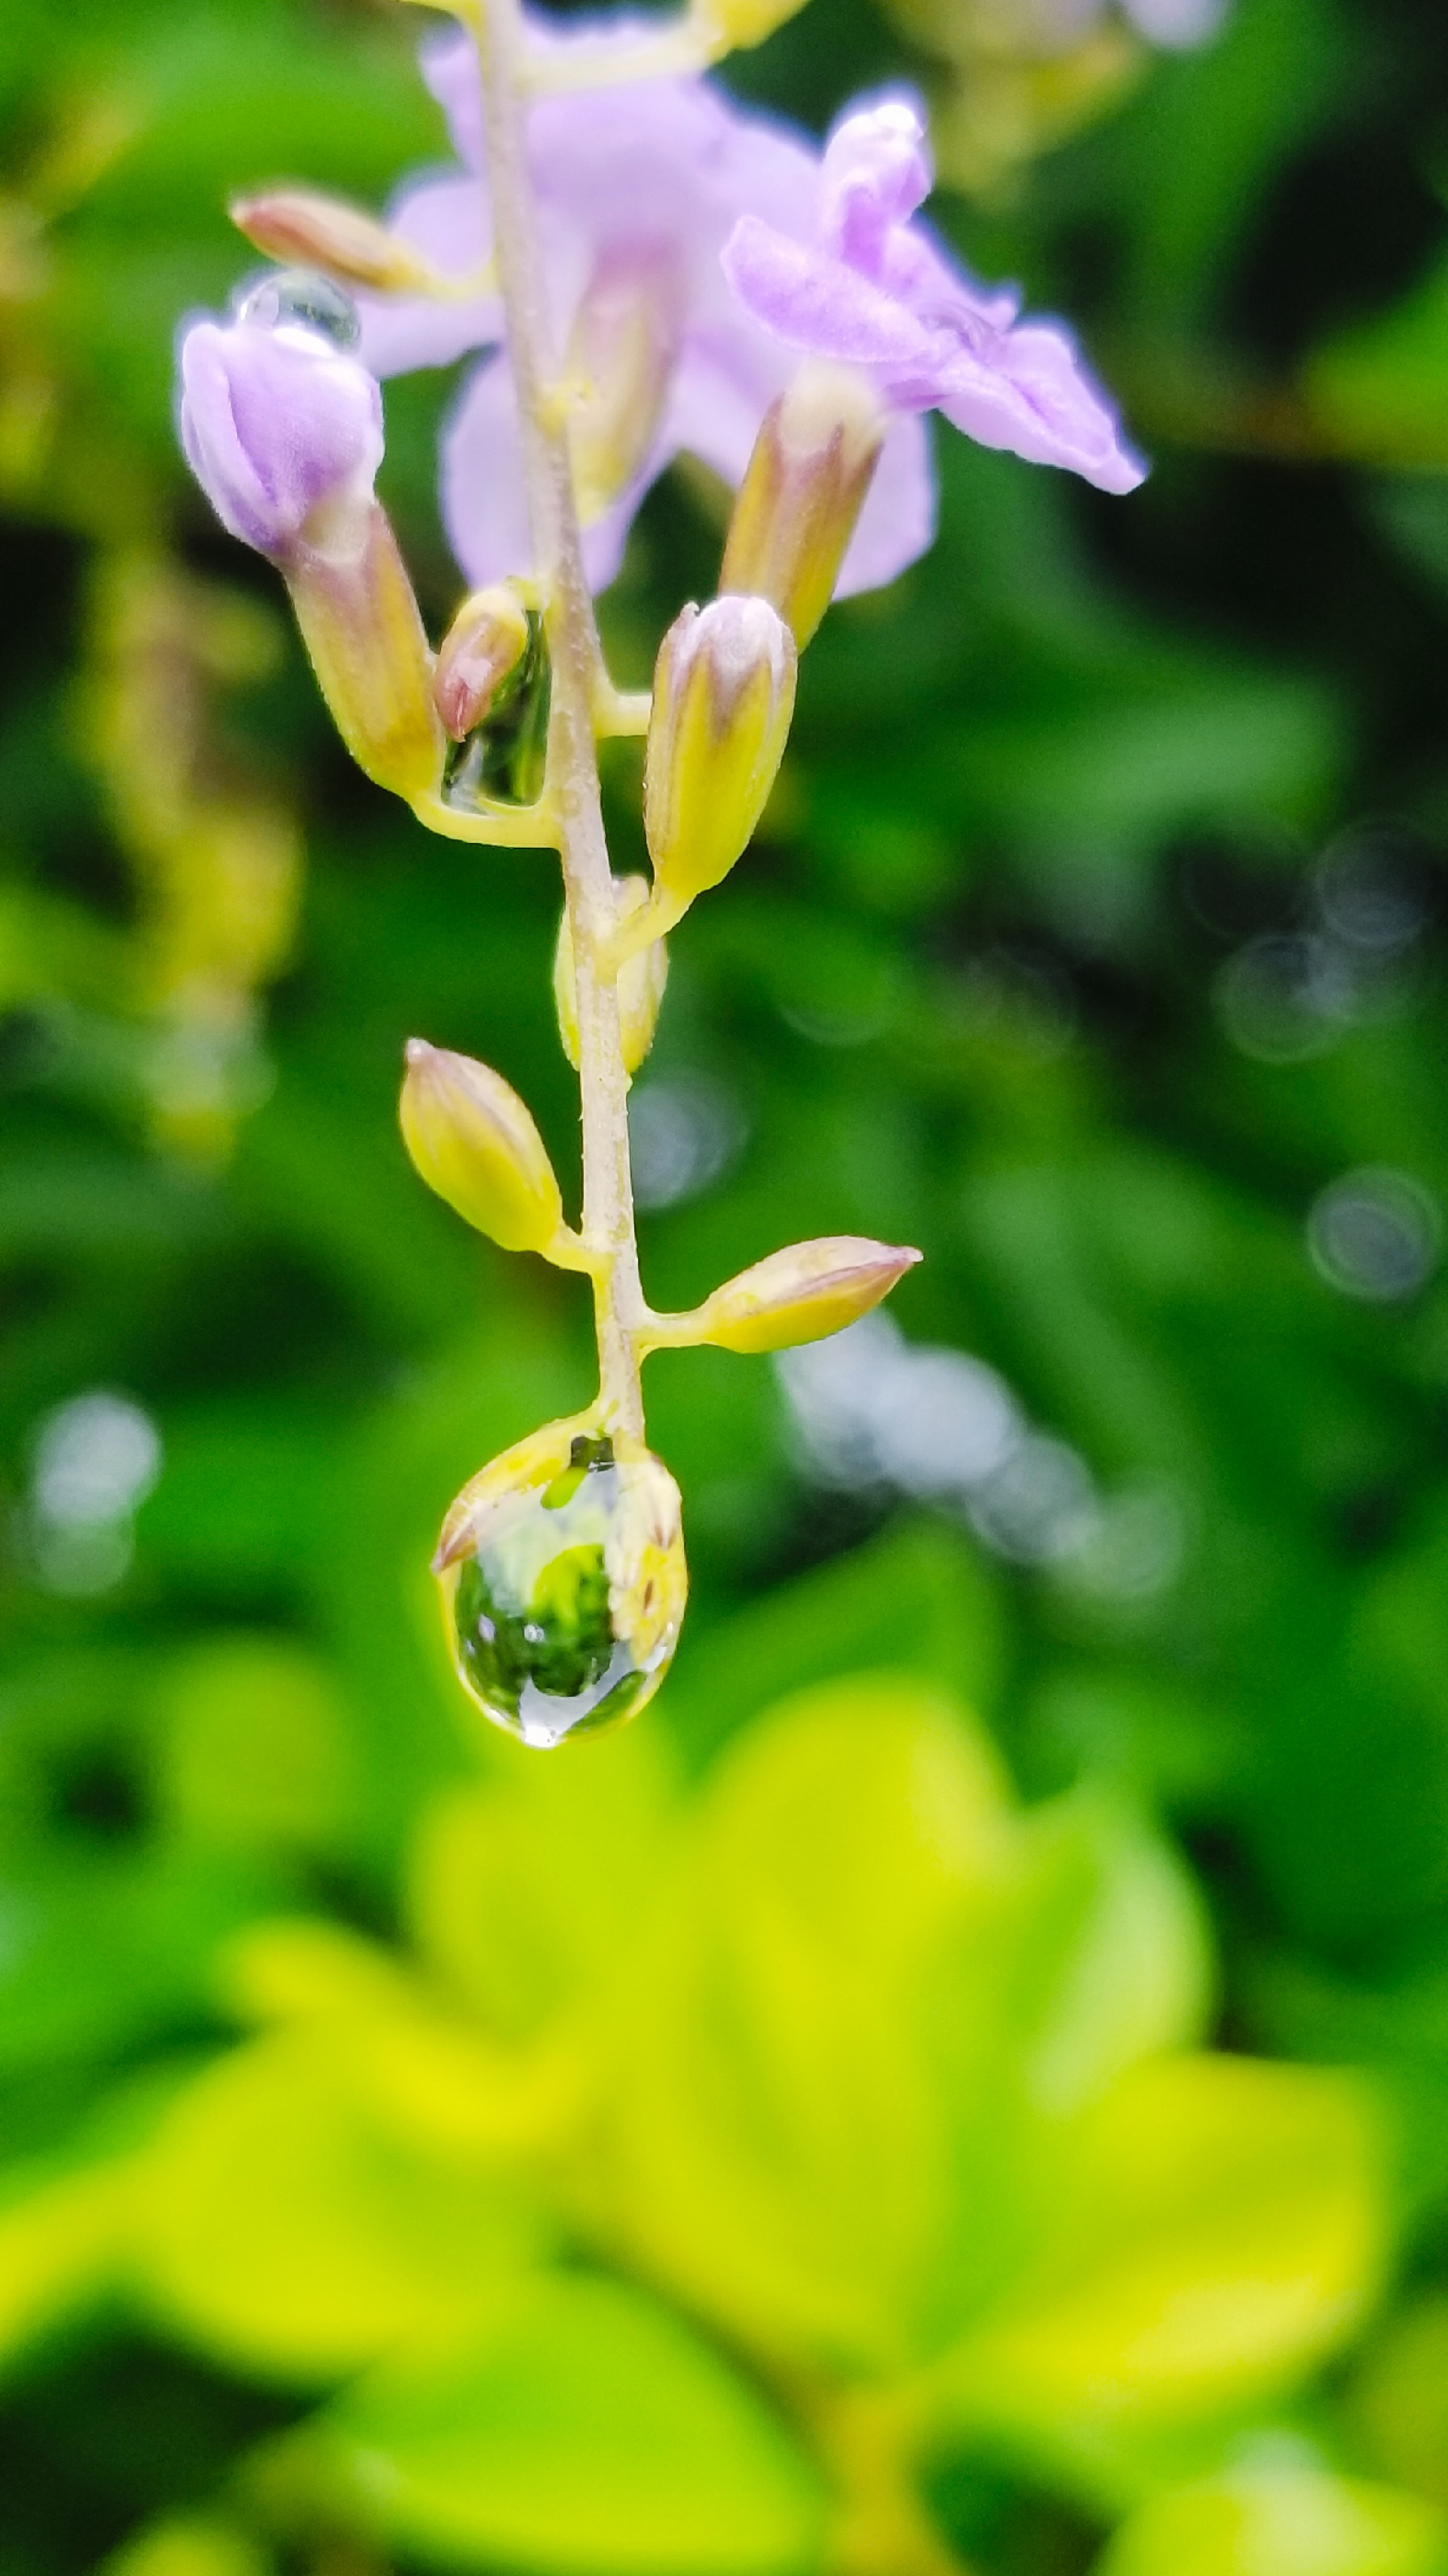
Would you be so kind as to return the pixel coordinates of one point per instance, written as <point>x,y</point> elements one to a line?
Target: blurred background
<point>964,2083</point>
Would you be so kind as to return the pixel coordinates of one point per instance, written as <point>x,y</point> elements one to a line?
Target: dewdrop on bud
<point>300,225</point>
<point>800,1294</point>
<point>641,981</point>
<point>727,24</point>
<point>480,651</point>
<point>474,1142</point>
<point>803,490</point>
<point>723,699</point>
<point>563,1581</point>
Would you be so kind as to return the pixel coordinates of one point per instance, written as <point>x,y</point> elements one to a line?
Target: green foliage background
<point>964,2081</point>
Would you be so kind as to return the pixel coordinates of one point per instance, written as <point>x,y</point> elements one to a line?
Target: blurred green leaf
<point>280,2225</point>
<point>587,2429</point>
<point>1214,2228</point>
<point>1279,2522</point>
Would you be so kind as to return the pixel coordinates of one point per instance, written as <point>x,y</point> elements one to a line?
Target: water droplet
<point>562,1569</point>
<point>505,756</point>
<point>305,298</point>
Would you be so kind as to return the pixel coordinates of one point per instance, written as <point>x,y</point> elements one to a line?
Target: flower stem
<point>572,768</point>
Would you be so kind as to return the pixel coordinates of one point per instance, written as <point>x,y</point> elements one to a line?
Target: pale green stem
<point>572,793</point>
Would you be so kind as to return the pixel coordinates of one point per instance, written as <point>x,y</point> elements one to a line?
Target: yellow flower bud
<point>481,649</point>
<point>641,981</point>
<point>803,490</point>
<point>475,1144</point>
<point>298,224</point>
<point>798,1295</point>
<point>729,24</point>
<point>723,699</point>
<point>360,624</point>
<point>563,1581</point>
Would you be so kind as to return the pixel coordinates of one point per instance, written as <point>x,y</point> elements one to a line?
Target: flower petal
<point>876,171</point>
<point>1030,394</point>
<point>897,523</point>
<point>818,304</point>
<point>447,220</point>
<point>274,421</point>
<point>484,504</point>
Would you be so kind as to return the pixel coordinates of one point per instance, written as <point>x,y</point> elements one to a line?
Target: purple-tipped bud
<point>481,649</point>
<point>723,698</point>
<point>279,425</point>
<point>283,429</point>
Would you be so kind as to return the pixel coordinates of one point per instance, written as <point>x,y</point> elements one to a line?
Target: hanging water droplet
<point>563,1579</point>
<point>304,297</point>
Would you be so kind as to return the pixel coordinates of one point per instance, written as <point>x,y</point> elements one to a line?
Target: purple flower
<point>869,288</point>
<point>276,421</point>
<point>638,190</point>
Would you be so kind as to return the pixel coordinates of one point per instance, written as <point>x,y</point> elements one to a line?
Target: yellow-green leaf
<point>284,2228</point>
<point>586,2429</point>
<point>1214,2227</point>
<point>1280,2522</point>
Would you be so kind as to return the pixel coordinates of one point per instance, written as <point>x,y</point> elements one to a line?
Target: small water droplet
<point>565,1584</point>
<point>303,297</point>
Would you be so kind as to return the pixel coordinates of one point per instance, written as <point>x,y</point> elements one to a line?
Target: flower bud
<point>299,225</point>
<point>641,981</point>
<point>278,422</point>
<point>798,1295</point>
<point>283,430</point>
<point>728,24</point>
<point>723,699</point>
<point>475,1144</point>
<point>803,490</point>
<point>482,648</point>
<point>563,1581</point>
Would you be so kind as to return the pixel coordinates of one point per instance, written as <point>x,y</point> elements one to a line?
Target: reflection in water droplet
<point>1375,1235</point>
<point>564,1584</point>
<point>302,296</point>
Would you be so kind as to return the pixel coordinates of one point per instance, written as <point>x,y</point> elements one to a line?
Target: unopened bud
<point>299,225</point>
<point>563,1581</point>
<point>802,493</point>
<point>800,1294</point>
<point>723,699</point>
<point>283,429</point>
<point>641,981</point>
<point>727,24</point>
<point>474,1142</point>
<point>482,648</point>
